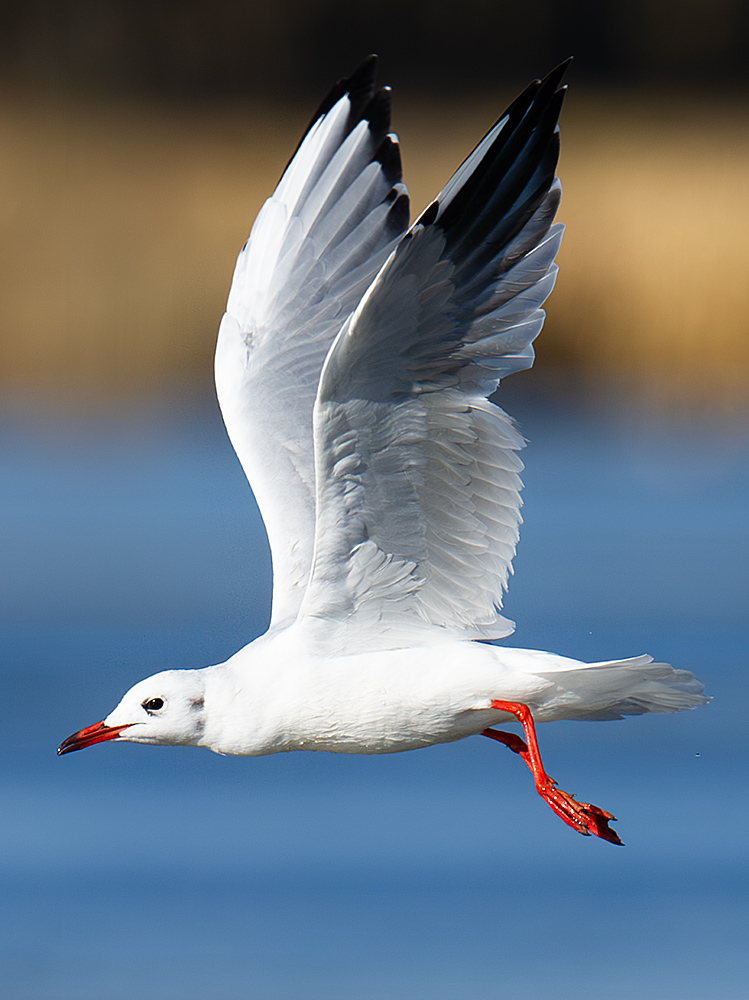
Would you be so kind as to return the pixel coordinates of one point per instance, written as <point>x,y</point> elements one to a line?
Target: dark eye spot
<point>153,704</point>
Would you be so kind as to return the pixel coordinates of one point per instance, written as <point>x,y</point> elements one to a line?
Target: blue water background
<point>131,544</point>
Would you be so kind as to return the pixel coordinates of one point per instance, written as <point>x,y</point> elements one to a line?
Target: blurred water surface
<point>131,544</point>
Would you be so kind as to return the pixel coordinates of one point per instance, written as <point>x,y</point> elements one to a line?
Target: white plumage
<point>353,367</point>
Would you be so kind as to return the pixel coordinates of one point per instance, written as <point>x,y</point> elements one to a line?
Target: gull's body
<point>291,690</point>
<point>353,368</point>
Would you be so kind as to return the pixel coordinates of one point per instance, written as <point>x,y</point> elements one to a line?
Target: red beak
<point>90,735</point>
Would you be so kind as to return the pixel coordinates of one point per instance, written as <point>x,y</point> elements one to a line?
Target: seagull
<point>354,369</point>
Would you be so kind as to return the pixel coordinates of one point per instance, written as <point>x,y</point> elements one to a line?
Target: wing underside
<point>418,488</point>
<point>316,246</point>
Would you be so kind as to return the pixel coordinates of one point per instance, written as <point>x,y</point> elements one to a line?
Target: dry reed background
<point>121,222</point>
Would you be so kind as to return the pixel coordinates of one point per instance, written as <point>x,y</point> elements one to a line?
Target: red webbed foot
<point>581,816</point>
<point>584,817</point>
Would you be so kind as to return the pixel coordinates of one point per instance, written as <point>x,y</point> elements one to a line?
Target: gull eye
<point>153,704</point>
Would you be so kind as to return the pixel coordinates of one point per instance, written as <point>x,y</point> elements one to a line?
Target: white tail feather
<point>612,689</point>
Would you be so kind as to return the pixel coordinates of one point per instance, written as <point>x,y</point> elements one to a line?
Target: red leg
<point>581,816</point>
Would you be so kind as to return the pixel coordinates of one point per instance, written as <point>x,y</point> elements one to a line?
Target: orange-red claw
<point>584,817</point>
<point>598,823</point>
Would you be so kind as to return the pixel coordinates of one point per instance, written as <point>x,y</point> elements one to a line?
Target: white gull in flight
<point>353,367</point>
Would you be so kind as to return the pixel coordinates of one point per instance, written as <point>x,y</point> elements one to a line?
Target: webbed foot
<point>584,817</point>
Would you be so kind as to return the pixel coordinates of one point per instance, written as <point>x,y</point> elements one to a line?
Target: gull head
<point>167,708</point>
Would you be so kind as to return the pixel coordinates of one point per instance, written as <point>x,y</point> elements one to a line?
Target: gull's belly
<point>387,724</point>
<point>391,701</point>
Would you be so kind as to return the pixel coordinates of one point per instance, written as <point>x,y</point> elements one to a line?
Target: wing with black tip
<point>418,491</point>
<point>337,213</point>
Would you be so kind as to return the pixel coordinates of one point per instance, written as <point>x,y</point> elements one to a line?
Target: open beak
<point>90,735</point>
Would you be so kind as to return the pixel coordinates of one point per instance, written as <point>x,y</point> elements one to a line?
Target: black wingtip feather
<point>388,155</point>
<point>513,176</point>
<point>377,111</point>
<point>368,103</point>
<point>554,78</point>
<point>359,85</point>
<point>400,213</point>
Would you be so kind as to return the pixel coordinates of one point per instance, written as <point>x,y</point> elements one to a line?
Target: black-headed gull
<point>353,367</point>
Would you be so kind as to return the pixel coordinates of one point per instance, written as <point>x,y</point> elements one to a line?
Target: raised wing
<point>316,245</point>
<point>417,472</point>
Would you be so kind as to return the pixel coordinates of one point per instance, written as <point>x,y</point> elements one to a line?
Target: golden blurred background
<point>137,142</point>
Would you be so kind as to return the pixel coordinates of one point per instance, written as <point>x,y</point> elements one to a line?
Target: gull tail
<point>616,688</point>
